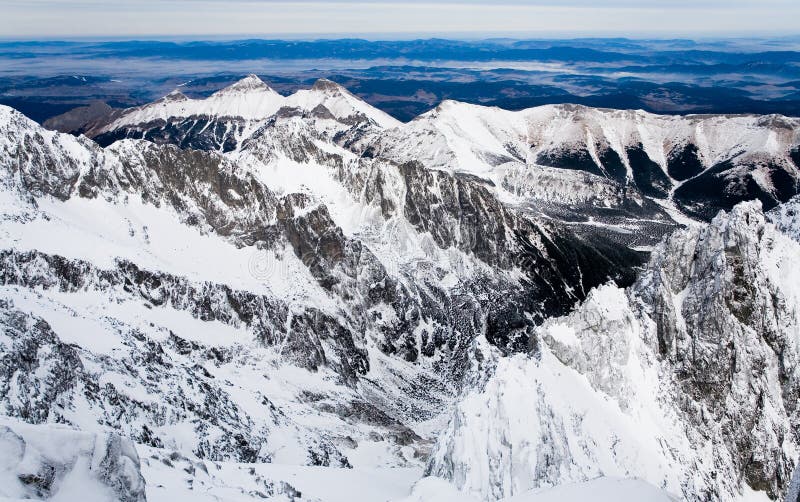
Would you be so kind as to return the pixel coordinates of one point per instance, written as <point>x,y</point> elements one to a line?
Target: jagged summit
<point>325,85</point>
<point>175,95</point>
<point>342,104</point>
<point>249,83</point>
<point>624,385</point>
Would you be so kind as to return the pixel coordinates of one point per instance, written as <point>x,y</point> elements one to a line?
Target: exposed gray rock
<point>466,252</point>
<point>81,119</point>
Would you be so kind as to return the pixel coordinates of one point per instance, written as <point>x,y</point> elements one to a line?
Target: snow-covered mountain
<point>220,306</point>
<point>262,292</point>
<point>228,117</point>
<point>700,163</point>
<point>616,168</point>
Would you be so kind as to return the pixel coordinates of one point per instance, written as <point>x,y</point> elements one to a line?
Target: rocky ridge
<point>688,379</point>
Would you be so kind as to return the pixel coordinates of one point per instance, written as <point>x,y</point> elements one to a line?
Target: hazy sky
<point>125,18</point>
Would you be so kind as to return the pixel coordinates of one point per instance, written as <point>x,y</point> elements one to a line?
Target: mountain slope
<point>702,163</point>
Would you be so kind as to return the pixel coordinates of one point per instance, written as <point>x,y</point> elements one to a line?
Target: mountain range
<point>253,295</point>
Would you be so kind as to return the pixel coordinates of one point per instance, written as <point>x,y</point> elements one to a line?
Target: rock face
<point>50,461</point>
<point>78,120</point>
<point>731,339</point>
<point>688,379</point>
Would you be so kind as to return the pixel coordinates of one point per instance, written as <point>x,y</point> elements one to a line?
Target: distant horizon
<point>53,19</point>
<point>411,36</point>
<point>407,77</point>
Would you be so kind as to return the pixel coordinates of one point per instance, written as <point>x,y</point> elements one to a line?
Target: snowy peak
<point>175,95</point>
<point>327,86</point>
<point>701,163</point>
<point>343,105</point>
<point>248,99</point>
<point>20,170</point>
<point>625,384</point>
<point>250,83</point>
<point>450,106</point>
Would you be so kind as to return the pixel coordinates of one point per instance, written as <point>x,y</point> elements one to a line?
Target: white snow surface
<point>602,489</point>
<point>786,218</point>
<point>192,479</point>
<point>76,459</point>
<point>235,482</point>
